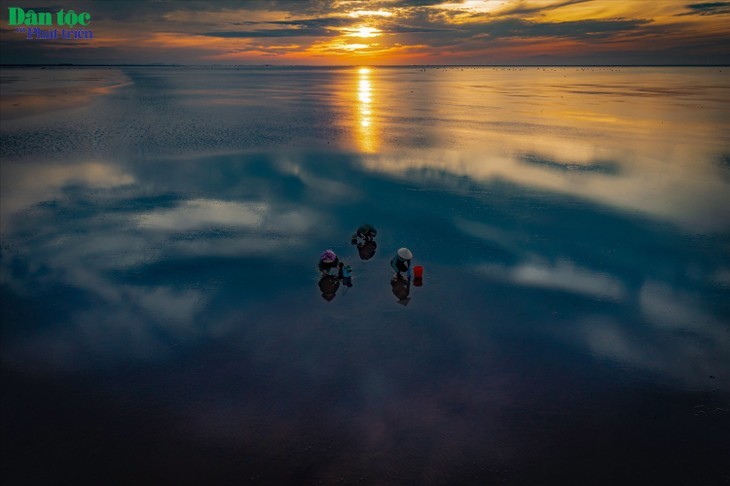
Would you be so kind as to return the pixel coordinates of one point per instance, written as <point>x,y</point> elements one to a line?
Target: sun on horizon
<point>397,32</point>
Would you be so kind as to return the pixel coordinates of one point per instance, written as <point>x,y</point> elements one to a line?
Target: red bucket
<point>418,271</point>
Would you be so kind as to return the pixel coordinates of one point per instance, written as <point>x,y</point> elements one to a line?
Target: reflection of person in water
<point>328,261</point>
<point>364,239</point>
<point>366,249</point>
<point>328,285</point>
<point>401,289</point>
<point>401,262</point>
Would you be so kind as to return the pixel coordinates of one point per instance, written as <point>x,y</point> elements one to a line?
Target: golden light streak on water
<point>365,129</point>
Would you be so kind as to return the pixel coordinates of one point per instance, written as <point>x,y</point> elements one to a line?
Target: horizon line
<point>158,64</point>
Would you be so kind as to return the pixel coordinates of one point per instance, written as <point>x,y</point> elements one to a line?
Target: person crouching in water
<point>401,262</point>
<point>367,232</point>
<point>364,239</point>
<point>328,261</point>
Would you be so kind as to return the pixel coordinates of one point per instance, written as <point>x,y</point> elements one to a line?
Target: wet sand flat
<point>162,318</point>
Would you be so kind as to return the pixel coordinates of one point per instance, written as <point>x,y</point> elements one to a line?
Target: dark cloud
<point>155,10</point>
<point>323,26</point>
<point>306,32</point>
<point>523,9</point>
<point>315,27</point>
<point>606,167</point>
<point>406,29</point>
<point>316,22</point>
<point>367,5</point>
<point>708,8</point>
<point>579,29</point>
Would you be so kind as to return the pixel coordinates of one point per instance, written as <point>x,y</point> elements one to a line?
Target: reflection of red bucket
<point>418,272</point>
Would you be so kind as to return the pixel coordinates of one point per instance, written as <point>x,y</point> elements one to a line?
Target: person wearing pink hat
<point>328,261</point>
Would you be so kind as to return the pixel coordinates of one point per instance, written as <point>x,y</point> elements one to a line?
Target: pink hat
<point>328,256</point>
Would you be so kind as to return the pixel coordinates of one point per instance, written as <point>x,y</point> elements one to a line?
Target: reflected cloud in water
<point>563,276</point>
<point>576,257</point>
<point>202,214</point>
<point>171,262</point>
<point>649,146</point>
<point>689,195</point>
<point>103,238</point>
<point>23,187</point>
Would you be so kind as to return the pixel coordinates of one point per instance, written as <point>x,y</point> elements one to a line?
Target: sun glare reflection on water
<point>159,249</point>
<point>366,136</point>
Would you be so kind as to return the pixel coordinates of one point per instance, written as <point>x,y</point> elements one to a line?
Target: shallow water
<point>161,315</point>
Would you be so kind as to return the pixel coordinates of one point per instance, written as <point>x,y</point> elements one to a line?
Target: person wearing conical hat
<point>328,261</point>
<point>401,262</point>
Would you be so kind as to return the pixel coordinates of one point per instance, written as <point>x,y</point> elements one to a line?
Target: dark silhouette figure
<point>328,285</point>
<point>328,261</point>
<point>401,262</point>
<point>329,281</point>
<point>364,239</point>
<point>366,232</point>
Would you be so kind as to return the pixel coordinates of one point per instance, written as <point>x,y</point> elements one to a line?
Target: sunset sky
<point>383,32</point>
